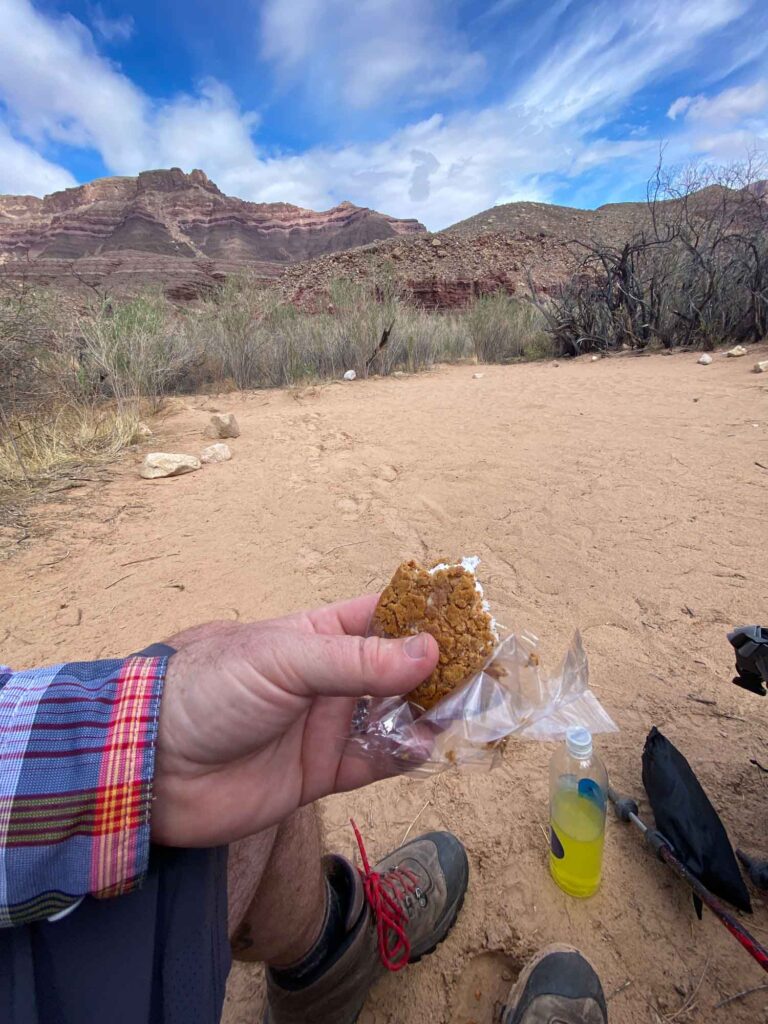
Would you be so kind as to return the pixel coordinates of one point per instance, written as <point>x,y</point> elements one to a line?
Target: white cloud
<point>439,170</point>
<point>680,106</point>
<point>380,51</point>
<point>113,30</point>
<point>57,87</point>
<point>25,172</point>
<point>208,130</point>
<point>618,49</point>
<point>731,105</point>
<point>726,126</point>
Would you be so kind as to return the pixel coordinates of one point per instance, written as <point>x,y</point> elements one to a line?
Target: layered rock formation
<point>179,231</point>
<point>173,228</point>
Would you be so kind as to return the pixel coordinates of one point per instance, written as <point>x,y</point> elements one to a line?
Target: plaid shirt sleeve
<point>77,751</point>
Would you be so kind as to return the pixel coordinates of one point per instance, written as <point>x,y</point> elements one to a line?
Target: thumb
<point>354,666</point>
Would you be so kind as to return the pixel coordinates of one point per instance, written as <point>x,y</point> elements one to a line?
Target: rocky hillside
<point>174,228</point>
<point>508,247</point>
<point>438,271</point>
<point>180,231</point>
<point>612,222</point>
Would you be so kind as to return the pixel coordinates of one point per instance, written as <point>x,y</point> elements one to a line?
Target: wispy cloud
<point>378,52</point>
<point>112,30</point>
<point>617,49</point>
<point>564,122</point>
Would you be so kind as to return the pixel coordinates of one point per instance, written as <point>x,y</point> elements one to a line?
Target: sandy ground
<point>622,497</point>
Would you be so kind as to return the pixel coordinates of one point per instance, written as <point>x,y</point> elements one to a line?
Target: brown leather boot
<point>394,915</point>
<point>559,986</point>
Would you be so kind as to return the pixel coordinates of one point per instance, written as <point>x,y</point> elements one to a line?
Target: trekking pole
<point>627,810</point>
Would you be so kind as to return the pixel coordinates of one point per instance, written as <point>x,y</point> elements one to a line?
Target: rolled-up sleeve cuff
<point>77,757</point>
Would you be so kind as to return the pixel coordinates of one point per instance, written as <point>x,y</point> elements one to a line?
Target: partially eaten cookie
<point>446,601</point>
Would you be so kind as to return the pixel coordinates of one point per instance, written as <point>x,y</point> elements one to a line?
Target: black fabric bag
<point>685,816</point>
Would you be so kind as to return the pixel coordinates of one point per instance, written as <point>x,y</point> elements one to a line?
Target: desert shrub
<point>695,275</point>
<point>40,444</point>
<point>257,340</point>
<point>135,350</point>
<point>503,329</point>
<point>63,365</point>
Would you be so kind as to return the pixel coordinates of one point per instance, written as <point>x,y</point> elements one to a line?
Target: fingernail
<point>416,646</point>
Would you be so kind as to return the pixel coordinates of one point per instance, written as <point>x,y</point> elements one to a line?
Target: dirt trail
<point>621,497</point>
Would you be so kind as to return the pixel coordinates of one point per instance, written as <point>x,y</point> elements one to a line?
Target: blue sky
<point>434,109</point>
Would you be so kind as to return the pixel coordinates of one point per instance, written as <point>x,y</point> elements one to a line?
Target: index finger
<point>351,617</point>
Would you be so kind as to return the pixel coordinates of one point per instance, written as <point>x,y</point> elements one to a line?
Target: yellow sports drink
<point>578,792</point>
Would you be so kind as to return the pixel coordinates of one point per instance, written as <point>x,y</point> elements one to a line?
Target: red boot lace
<point>385,894</point>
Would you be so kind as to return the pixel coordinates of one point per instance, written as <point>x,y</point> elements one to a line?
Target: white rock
<point>166,464</point>
<point>595,359</point>
<point>704,359</point>
<point>216,453</point>
<point>477,376</point>
<point>223,424</point>
<point>737,350</point>
<point>350,375</point>
<point>761,366</point>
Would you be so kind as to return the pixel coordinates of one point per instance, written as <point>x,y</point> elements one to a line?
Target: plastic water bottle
<point>578,790</point>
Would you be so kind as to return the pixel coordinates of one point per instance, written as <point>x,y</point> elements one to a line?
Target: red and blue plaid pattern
<point>77,748</point>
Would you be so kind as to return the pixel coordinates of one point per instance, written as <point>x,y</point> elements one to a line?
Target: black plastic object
<point>690,823</point>
<point>751,646</point>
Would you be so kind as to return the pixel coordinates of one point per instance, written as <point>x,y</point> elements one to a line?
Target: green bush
<point>503,329</point>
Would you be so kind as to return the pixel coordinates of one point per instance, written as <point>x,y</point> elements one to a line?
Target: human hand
<point>253,718</point>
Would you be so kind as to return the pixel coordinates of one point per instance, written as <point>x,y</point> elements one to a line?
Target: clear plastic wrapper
<point>512,697</point>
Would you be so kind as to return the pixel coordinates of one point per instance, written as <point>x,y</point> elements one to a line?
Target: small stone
<point>158,464</point>
<point>477,376</point>
<point>705,359</point>
<point>737,350</point>
<point>761,366</point>
<point>216,453</point>
<point>350,375</point>
<point>142,431</point>
<point>595,359</point>
<point>223,424</point>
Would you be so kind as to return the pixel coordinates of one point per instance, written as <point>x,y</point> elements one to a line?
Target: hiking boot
<point>391,915</point>
<point>559,986</point>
